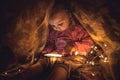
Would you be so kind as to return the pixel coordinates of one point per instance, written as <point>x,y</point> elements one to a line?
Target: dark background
<point>10,10</point>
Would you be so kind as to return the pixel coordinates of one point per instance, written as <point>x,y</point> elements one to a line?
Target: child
<point>65,37</point>
<point>64,34</point>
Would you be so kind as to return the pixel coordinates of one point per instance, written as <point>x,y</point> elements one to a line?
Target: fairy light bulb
<point>105,59</point>
<point>101,56</point>
<point>19,70</point>
<point>5,73</point>
<point>92,62</point>
<point>53,59</point>
<point>93,74</point>
<point>95,47</point>
<point>105,45</point>
<point>91,52</point>
<point>35,59</point>
<point>76,53</point>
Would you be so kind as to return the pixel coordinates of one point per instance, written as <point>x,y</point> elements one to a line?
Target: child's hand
<point>72,51</point>
<point>69,50</point>
<point>54,52</point>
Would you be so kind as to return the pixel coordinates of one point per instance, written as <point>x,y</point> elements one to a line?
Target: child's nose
<point>56,27</point>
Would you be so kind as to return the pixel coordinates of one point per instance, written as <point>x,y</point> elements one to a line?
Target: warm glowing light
<point>5,73</point>
<point>91,52</point>
<point>105,45</point>
<point>93,74</point>
<point>53,59</point>
<point>92,62</point>
<point>105,59</point>
<point>19,70</point>
<point>53,55</point>
<point>76,53</point>
<point>95,47</point>
<point>35,59</point>
<point>101,56</point>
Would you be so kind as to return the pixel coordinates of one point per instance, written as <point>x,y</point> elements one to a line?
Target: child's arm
<point>84,41</point>
<point>81,42</point>
<point>50,44</point>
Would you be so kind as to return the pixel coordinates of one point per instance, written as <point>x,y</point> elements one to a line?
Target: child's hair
<point>59,8</point>
<point>65,8</point>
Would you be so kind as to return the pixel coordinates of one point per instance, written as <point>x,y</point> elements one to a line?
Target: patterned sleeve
<point>50,44</point>
<point>84,41</point>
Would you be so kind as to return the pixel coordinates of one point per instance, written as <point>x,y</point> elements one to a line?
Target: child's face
<point>60,21</point>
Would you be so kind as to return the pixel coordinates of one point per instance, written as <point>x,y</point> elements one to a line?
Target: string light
<point>35,59</point>
<point>76,53</point>
<point>95,47</point>
<point>93,74</point>
<point>19,70</point>
<point>105,59</point>
<point>91,51</point>
<point>92,62</point>
<point>105,45</point>
<point>5,73</point>
<point>101,56</point>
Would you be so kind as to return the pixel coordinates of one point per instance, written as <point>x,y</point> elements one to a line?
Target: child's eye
<point>60,24</point>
